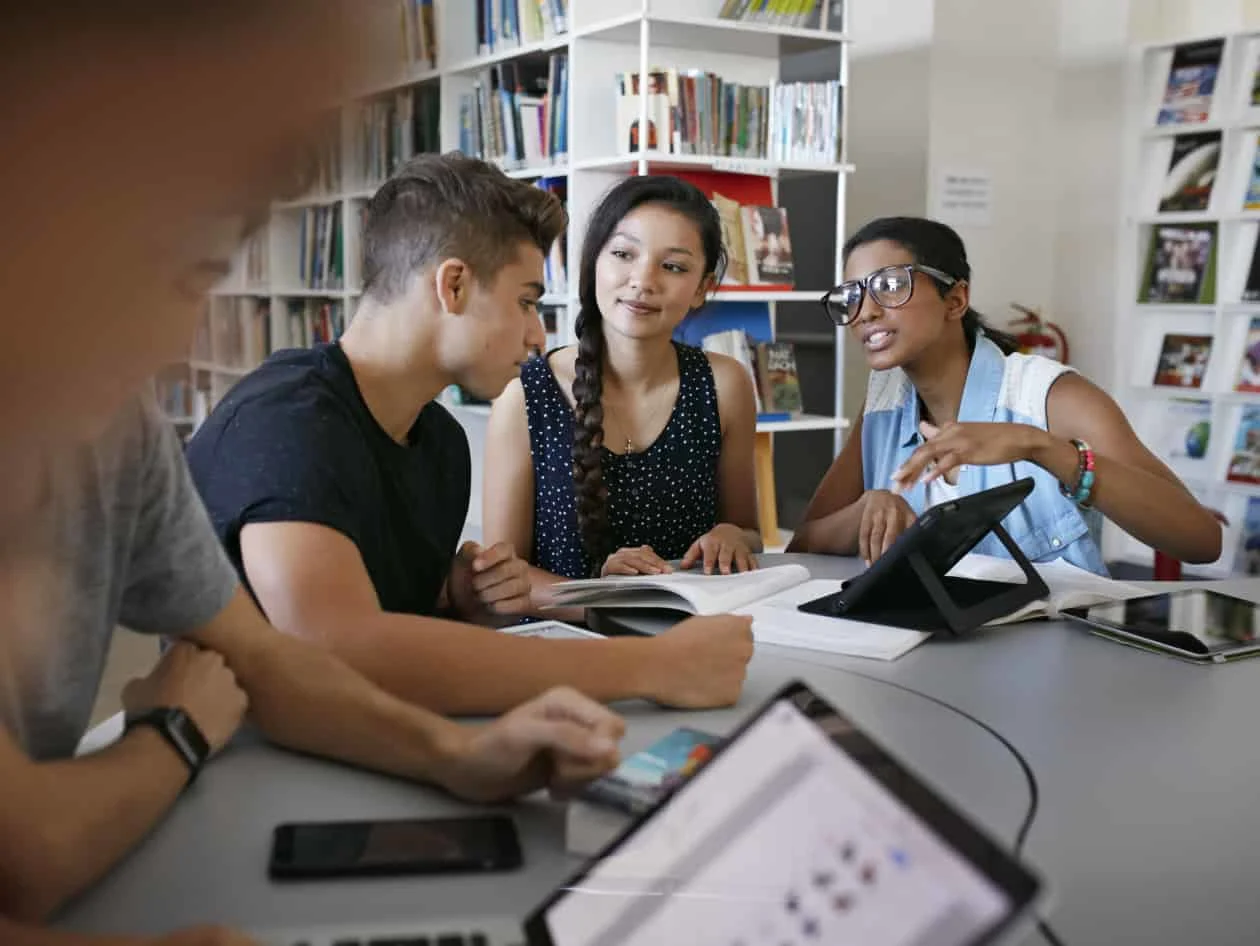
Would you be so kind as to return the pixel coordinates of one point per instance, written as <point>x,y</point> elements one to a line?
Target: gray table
<point>1146,829</point>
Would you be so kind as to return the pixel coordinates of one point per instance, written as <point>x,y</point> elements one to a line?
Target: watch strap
<point>180,732</point>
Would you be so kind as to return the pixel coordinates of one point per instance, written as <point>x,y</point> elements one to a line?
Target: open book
<point>1070,587</point>
<point>693,592</point>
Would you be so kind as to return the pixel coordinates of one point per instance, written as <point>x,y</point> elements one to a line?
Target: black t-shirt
<point>295,442</point>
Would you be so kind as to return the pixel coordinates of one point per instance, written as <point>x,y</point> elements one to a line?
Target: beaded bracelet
<point>1084,475</point>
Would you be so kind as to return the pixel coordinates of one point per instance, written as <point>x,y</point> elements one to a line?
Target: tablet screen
<point>1220,622</point>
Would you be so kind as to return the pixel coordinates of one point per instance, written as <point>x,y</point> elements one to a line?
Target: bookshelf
<point>1189,295</point>
<point>300,276</point>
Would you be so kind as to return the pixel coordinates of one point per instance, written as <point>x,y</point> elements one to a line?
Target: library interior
<point>751,472</point>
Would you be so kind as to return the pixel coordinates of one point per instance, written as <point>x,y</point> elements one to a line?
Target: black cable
<point>1034,791</point>
<point>1044,929</point>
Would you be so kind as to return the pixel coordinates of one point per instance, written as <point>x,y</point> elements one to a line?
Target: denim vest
<point>1001,389</point>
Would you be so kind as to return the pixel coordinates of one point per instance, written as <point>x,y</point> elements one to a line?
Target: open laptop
<point>800,830</point>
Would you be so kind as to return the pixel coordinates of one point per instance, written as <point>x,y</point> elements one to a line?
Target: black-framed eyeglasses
<point>891,287</point>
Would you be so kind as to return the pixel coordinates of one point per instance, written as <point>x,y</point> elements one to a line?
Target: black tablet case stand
<point>911,588</point>
<point>926,600</point>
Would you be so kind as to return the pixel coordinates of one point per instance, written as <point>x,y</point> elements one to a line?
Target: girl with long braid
<point>629,450</point>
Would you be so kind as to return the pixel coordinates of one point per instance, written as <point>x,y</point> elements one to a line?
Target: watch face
<point>186,735</point>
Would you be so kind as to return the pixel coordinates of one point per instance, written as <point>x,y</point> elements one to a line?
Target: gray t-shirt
<point>121,537</point>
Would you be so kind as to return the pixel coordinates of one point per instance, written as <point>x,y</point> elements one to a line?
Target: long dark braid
<point>588,370</point>
<point>588,437</point>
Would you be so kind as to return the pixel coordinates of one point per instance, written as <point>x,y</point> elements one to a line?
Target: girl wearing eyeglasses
<point>952,408</point>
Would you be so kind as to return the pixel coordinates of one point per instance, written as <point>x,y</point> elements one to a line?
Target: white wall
<point>889,77</point>
<point>1163,20</point>
<point>1089,122</point>
<point>992,92</point>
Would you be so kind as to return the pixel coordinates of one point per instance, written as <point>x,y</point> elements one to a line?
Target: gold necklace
<point>651,421</point>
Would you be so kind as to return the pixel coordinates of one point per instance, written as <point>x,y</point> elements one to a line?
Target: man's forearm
<point>91,812</point>
<point>458,669</point>
<point>305,698</point>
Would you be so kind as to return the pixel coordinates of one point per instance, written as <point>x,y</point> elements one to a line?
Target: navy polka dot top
<point>665,496</point>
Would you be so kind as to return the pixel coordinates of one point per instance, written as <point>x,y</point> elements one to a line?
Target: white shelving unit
<point>603,38</point>
<point>1160,412</point>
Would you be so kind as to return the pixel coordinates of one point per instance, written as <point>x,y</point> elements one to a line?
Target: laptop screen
<point>800,831</point>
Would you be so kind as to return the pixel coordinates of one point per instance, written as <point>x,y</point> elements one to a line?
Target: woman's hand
<point>884,517</point>
<point>724,545</point>
<point>952,445</point>
<point>638,561</point>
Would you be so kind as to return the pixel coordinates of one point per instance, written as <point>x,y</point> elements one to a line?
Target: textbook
<point>1070,586</point>
<point>608,805</point>
<point>691,591</point>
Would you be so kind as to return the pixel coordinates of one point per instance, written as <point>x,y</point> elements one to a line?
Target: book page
<point>552,630</point>
<point>689,591</point>
<point>1070,587</point>
<point>777,621</point>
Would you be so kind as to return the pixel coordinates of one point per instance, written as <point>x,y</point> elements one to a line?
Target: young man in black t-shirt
<point>339,486</point>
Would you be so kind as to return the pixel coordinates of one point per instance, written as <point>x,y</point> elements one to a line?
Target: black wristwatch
<point>177,728</point>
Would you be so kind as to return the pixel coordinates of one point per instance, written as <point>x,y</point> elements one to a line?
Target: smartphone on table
<point>398,847</point>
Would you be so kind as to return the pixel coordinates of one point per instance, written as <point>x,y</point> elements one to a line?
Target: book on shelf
<point>556,265</point>
<point>1192,80</point>
<point>1183,361</point>
<point>736,272</point>
<point>509,24</point>
<point>1248,379</point>
<point>754,231</point>
<point>391,129</point>
<point>802,14</point>
<point>778,381</point>
<point>1251,201</point>
<point>1244,464</point>
<point>1191,173</point>
<point>321,248</point>
<point>255,258</point>
<point>768,246</point>
<point>1180,266</point>
<point>516,113</point>
<point>308,322</point>
<point>736,343</point>
<point>1247,557</point>
<point>240,330</point>
<point>419,33</point>
<point>610,804</point>
<point>1184,429</point>
<point>808,122</point>
<point>692,111</point>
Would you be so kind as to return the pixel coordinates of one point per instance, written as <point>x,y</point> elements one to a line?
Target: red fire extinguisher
<point>1036,336</point>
